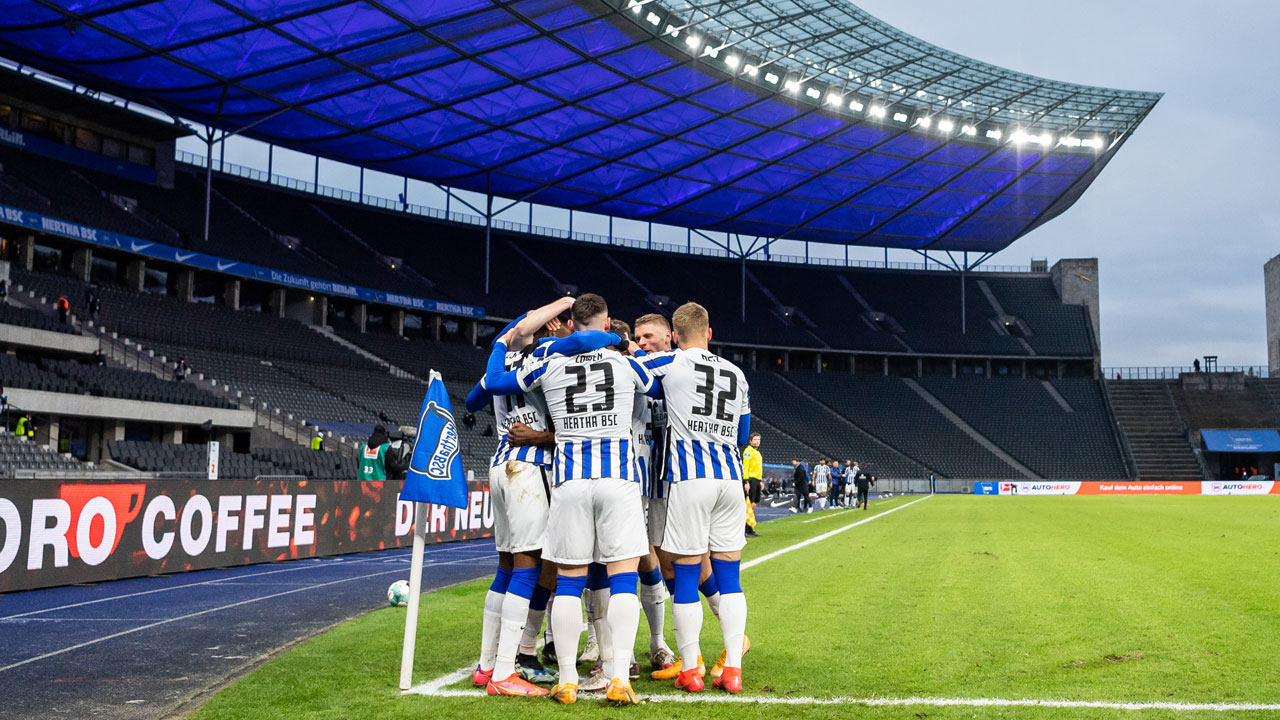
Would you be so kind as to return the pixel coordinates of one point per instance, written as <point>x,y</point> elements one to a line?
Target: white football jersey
<point>706,397</point>
<point>529,409</point>
<point>591,398</point>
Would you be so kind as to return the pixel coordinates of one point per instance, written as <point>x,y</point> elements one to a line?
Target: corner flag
<point>435,476</point>
<point>435,471</point>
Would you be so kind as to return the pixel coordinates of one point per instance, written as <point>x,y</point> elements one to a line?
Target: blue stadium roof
<point>803,119</point>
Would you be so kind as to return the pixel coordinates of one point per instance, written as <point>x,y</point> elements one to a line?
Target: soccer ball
<point>398,593</point>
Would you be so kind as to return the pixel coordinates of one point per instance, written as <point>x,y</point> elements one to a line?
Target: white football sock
<point>532,625</point>
<point>733,623</point>
<point>624,621</point>
<point>688,622</point>
<point>600,622</point>
<point>549,637</point>
<point>653,598</point>
<point>566,618</point>
<point>515,611</point>
<point>490,628</point>
<point>714,602</point>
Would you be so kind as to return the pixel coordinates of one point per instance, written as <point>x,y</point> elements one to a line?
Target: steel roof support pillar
<point>744,288</point>
<point>488,228</point>
<point>964,314</point>
<point>208,181</point>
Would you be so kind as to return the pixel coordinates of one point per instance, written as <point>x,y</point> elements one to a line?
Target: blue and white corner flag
<point>435,472</point>
<point>435,476</point>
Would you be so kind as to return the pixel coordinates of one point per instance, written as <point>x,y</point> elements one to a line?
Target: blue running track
<point>146,647</point>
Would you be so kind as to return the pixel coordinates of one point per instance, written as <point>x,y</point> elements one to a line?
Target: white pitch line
<point>883,701</point>
<point>434,687</point>
<point>825,535</point>
<point>302,564</point>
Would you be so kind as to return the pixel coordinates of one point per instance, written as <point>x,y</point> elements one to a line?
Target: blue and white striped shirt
<point>706,398</point>
<point>529,409</point>
<point>591,399</point>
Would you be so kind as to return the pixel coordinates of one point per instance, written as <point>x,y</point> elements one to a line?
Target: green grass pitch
<point>1113,599</point>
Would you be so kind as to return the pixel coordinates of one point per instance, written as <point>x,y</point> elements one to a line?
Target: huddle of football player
<point>618,474</point>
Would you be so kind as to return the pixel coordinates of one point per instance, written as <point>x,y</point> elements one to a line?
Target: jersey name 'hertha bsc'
<point>591,398</point>
<point>706,399</point>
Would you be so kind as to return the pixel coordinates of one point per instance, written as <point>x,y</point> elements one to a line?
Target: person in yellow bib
<point>753,474</point>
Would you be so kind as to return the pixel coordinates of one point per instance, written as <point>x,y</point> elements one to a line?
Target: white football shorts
<point>705,514</point>
<point>596,520</point>
<point>518,491</point>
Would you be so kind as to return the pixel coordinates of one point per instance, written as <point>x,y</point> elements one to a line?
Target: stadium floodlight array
<point>1107,114</point>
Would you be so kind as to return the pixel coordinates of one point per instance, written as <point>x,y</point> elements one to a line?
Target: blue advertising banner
<point>1241,441</point>
<point>986,488</point>
<point>76,156</point>
<point>168,253</point>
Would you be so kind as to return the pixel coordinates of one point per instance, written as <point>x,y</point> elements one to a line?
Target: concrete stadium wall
<point>1076,280</point>
<point>1271,281</point>
<point>47,340</point>
<point>64,404</point>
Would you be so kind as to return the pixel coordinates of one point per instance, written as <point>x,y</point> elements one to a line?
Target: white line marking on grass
<point>710,697</point>
<point>435,687</point>
<point>297,565</point>
<point>188,616</point>
<point>825,535</point>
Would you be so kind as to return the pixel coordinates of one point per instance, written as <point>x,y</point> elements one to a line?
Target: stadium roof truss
<point>799,119</point>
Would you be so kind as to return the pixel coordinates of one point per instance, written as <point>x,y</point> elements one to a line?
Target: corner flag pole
<point>435,477</point>
<point>415,592</point>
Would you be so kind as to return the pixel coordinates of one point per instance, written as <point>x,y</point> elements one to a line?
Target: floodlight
<point>732,61</point>
<point>813,93</point>
<point>653,18</point>
<point>855,106</point>
<point>771,78</point>
<point>994,134</point>
<point>946,126</point>
<point>899,117</point>
<point>924,122</point>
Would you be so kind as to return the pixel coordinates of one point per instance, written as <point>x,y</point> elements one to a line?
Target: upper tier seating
<point>13,315</point>
<point>785,305</point>
<point>890,410</point>
<point>1024,420</point>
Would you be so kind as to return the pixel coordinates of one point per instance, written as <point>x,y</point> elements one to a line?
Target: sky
<point>1185,215</point>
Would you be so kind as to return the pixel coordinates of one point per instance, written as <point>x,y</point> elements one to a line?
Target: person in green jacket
<point>373,455</point>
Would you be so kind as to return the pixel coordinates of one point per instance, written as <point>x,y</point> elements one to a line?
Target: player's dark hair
<point>623,331</point>
<point>588,307</point>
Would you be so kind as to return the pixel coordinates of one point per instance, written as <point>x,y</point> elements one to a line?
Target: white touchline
<point>303,564</point>
<point>825,535</point>
<point>434,687</point>
<point>188,616</point>
<point>881,701</point>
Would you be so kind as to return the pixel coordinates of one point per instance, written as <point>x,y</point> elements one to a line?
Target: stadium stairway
<point>1157,436</point>
<point>329,333</point>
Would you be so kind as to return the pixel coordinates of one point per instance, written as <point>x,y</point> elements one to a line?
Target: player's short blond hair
<point>690,319</point>
<point>653,318</point>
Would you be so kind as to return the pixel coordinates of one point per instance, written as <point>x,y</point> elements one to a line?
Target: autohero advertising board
<point>56,532</point>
